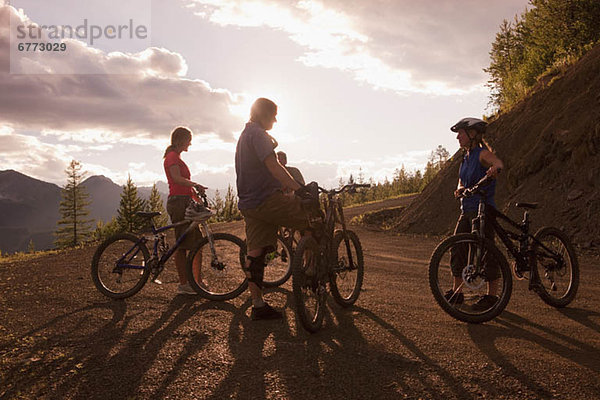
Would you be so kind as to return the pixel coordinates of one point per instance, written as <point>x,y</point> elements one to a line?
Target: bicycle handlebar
<point>200,195</point>
<point>349,187</point>
<point>477,188</point>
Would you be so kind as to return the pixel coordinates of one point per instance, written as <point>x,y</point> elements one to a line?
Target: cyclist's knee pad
<point>257,270</point>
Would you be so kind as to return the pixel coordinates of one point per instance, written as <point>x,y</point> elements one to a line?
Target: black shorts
<point>176,206</point>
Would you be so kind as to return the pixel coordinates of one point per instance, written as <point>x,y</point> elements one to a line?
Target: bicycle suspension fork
<point>342,221</point>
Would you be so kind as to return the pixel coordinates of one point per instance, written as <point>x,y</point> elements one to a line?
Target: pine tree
<point>155,203</point>
<point>230,211</point>
<point>73,227</point>
<point>130,204</point>
<point>218,206</point>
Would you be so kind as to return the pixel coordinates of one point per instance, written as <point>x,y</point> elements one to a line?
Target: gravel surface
<point>61,339</point>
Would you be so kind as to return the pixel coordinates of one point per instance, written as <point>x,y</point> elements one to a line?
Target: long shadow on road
<point>111,361</point>
<point>339,362</point>
<point>516,327</point>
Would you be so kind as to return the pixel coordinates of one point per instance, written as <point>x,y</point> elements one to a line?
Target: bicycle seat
<point>527,205</point>
<point>144,214</point>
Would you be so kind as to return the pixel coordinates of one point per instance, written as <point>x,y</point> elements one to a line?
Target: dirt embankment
<point>550,145</point>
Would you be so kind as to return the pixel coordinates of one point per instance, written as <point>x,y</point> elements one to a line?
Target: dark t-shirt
<point>254,181</point>
<point>296,174</point>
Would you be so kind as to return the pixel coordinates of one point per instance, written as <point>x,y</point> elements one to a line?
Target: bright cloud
<point>142,95</point>
<point>28,155</point>
<point>408,47</point>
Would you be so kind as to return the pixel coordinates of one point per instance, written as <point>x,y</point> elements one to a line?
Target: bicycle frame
<point>521,255</point>
<point>158,234</point>
<point>334,212</point>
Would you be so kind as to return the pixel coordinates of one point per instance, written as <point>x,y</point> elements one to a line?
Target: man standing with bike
<point>261,182</point>
<point>477,163</point>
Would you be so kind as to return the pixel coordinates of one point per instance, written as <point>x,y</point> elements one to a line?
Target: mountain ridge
<point>29,207</point>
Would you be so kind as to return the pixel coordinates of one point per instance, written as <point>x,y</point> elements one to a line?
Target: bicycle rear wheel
<point>557,267</point>
<point>278,267</point>
<point>220,275</point>
<point>309,291</point>
<point>348,268</point>
<point>120,266</point>
<point>470,290</point>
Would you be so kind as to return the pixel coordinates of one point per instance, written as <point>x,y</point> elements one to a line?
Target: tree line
<point>402,182</point>
<point>539,43</point>
<point>75,226</point>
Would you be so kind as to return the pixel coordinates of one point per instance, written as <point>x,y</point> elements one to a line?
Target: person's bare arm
<point>180,180</point>
<point>491,162</point>
<point>459,189</point>
<point>280,173</point>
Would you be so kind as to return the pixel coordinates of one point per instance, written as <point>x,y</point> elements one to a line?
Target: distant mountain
<point>29,207</point>
<point>28,210</point>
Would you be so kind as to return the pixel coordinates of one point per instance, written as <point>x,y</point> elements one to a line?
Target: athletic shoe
<point>185,289</point>
<point>265,312</point>
<point>454,298</point>
<point>485,303</point>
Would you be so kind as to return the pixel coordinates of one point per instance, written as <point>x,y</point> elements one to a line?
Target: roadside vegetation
<point>538,46</point>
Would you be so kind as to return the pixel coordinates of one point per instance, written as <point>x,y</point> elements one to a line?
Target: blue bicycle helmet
<point>470,123</point>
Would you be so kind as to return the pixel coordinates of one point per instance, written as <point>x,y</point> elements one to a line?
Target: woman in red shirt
<point>180,195</point>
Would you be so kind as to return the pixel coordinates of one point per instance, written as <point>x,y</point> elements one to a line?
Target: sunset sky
<point>373,84</point>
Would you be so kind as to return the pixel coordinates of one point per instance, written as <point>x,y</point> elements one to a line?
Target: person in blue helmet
<point>478,161</point>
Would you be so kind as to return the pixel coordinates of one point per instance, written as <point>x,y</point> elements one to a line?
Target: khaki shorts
<point>263,221</point>
<point>176,206</point>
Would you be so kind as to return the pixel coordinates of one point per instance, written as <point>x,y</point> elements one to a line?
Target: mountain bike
<point>279,262</point>
<point>122,263</point>
<point>546,259</point>
<point>326,255</point>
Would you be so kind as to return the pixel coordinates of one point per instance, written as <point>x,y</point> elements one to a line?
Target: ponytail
<point>178,135</point>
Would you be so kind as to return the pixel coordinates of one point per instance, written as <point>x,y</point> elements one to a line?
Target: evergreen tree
<point>104,230</point>
<point>130,204</point>
<point>218,206</point>
<point>441,155</point>
<point>542,41</point>
<point>31,247</point>
<point>230,210</point>
<point>73,226</point>
<point>155,203</point>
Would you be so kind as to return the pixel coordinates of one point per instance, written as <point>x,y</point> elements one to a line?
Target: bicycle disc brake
<point>472,279</point>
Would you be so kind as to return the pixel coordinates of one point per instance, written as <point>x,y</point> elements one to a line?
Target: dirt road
<point>61,339</point>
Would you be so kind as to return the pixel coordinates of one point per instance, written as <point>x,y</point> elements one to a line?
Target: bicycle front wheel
<point>470,278</point>
<point>278,268</point>
<point>215,271</point>
<point>120,266</point>
<point>557,267</point>
<point>309,291</point>
<point>348,268</point>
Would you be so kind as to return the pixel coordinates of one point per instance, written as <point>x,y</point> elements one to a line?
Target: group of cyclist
<point>266,189</point>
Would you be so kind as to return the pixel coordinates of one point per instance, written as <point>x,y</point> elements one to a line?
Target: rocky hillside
<point>550,145</point>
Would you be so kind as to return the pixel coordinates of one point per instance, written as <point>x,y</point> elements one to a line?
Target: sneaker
<point>485,303</point>
<point>185,289</point>
<point>265,312</point>
<point>454,298</point>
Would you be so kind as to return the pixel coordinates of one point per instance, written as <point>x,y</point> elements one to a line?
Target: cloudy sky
<point>360,84</point>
